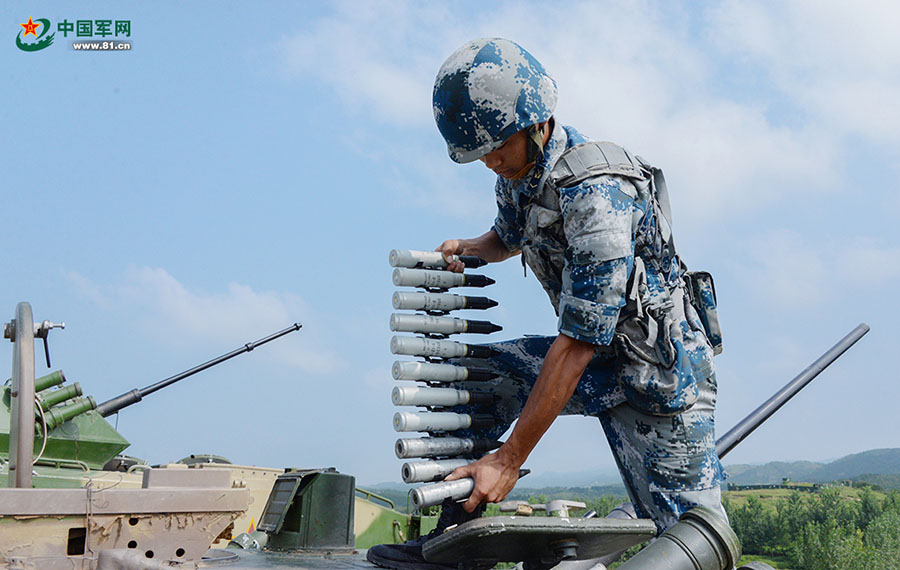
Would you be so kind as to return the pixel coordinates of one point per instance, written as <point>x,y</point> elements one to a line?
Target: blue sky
<point>249,165</point>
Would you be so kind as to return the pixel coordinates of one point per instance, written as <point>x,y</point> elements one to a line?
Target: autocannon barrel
<point>440,325</point>
<point>746,426</point>
<point>439,421</point>
<point>53,379</point>
<point>134,396</point>
<point>418,346</point>
<point>57,416</point>
<point>416,301</point>
<point>431,470</point>
<point>413,258</point>
<point>416,396</point>
<point>431,279</point>
<point>431,372</point>
<point>442,446</point>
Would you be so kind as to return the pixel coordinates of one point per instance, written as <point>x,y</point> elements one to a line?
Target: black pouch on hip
<point>702,295</point>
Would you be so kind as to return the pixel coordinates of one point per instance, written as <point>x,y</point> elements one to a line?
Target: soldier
<point>591,221</point>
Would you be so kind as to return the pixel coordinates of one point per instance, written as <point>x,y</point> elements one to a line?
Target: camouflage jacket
<point>584,243</point>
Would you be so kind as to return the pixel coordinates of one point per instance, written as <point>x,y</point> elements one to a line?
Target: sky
<point>245,166</point>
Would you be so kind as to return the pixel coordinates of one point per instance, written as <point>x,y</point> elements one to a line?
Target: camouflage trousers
<point>668,463</point>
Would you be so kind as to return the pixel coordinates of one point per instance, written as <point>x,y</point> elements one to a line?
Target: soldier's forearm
<point>488,247</point>
<point>562,369</point>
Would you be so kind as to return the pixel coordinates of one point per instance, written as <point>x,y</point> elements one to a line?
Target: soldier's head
<point>492,100</point>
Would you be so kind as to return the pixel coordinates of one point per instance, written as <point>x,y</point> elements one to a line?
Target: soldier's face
<point>509,158</point>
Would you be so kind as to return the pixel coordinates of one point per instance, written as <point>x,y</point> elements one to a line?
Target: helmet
<point>488,90</point>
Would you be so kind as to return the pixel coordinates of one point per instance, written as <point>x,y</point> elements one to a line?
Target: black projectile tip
<point>482,327</point>
<point>480,421</point>
<point>479,375</point>
<point>480,303</point>
<point>478,281</point>
<point>482,398</point>
<point>485,445</point>
<point>475,351</point>
<point>472,261</point>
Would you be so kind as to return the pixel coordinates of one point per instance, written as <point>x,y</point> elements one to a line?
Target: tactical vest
<point>654,242</point>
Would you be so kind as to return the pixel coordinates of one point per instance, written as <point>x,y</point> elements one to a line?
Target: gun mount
<point>65,427</point>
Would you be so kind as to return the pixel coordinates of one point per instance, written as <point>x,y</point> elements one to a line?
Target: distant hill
<point>772,472</point>
<point>876,461</point>
<point>886,482</point>
<point>881,463</point>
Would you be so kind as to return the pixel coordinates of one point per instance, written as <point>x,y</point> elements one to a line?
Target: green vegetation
<point>778,562</point>
<point>833,528</point>
<point>770,497</point>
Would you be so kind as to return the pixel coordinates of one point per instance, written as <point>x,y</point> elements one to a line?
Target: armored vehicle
<point>64,453</point>
<point>75,502</point>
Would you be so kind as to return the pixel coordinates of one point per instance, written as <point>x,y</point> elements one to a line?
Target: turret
<point>70,430</point>
<point>77,436</point>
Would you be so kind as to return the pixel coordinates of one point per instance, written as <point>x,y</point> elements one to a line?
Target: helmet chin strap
<point>534,149</point>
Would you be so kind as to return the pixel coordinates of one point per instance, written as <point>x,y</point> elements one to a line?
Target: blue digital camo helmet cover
<point>488,90</point>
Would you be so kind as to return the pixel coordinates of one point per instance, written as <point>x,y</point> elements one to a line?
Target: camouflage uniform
<point>596,247</point>
<point>601,248</point>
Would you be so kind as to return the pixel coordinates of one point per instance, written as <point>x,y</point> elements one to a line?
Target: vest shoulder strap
<point>586,160</point>
<point>590,159</point>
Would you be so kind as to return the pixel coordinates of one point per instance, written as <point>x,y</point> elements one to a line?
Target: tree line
<point>822,530</point>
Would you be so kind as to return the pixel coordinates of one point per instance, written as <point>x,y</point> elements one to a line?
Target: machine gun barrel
<point>746,426</point>
<point>113,405</point>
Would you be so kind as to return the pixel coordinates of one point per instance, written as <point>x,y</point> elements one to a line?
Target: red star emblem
<point>30,27</point>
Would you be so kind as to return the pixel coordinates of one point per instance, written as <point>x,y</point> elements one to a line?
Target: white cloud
<point>836,60</point>
<point>376,57</point>
<point>628,72</point>
<point>87,289</point>
<point>871,261</point>
<point>783,268</point>
<point>169,310</point>
<point>631,75</point>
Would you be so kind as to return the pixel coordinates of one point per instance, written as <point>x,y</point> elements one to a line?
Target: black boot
<point>408,555</point>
